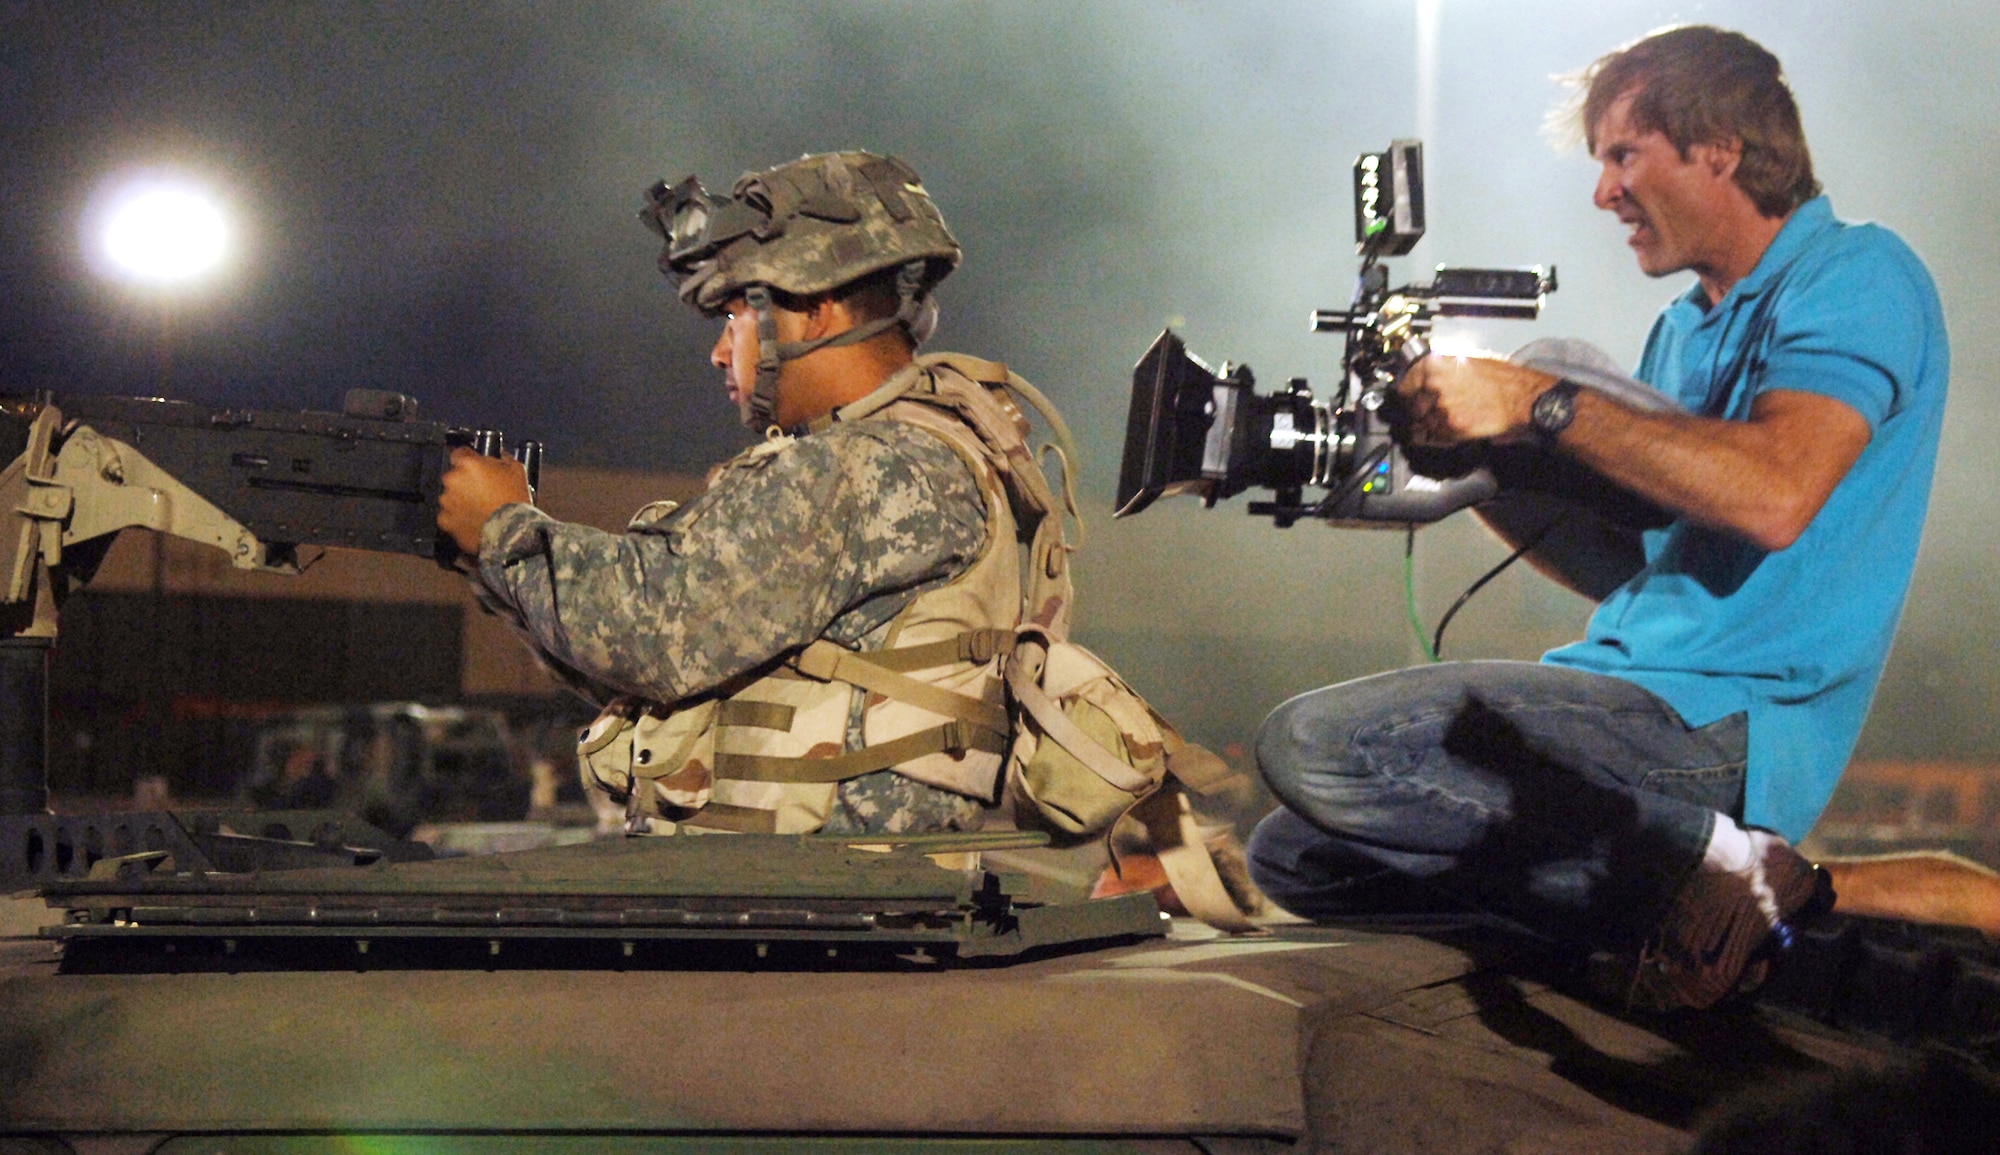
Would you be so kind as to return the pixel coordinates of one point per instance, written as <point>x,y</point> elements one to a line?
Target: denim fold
<point>1571,803</point>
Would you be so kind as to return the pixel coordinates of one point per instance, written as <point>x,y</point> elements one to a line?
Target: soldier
<point>813,643</point>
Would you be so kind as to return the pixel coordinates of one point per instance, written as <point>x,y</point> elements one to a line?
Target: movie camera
<point>1207,432</point>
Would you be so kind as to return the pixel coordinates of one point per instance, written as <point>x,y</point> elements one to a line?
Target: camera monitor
<point>1389,199</point>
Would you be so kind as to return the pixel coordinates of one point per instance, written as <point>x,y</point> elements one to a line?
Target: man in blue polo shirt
<point>1637,791</point>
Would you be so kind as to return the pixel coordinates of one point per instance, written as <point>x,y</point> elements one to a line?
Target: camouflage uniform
<point>829,535</point>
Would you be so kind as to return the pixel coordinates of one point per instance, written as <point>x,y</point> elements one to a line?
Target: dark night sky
<point>439,198</point>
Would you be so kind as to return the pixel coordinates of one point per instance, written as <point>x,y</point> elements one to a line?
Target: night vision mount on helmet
<point>806,227</point>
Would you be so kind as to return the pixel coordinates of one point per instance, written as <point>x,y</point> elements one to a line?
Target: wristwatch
<point>1553,410</point>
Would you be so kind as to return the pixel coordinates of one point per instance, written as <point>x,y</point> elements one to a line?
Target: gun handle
<point>529,454</point>
<point>490,443</point>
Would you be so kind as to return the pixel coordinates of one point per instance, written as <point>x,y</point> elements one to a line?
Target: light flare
<point>158,230</point>
<point>1460,341</point>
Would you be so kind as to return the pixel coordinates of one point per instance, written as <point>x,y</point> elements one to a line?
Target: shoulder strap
<point>987,397</point>
<point>993,374</point>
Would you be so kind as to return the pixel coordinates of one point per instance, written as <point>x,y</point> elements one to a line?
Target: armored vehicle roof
<point>1461,1038</point>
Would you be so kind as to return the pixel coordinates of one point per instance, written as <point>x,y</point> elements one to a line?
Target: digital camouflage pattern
<point>797,539</point>
<point>885,802</point>
<point>838,217</point>
<point>827,536</point>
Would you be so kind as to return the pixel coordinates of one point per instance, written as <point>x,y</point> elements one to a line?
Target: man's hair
<point>1698,84</point>
<point>869,298</point>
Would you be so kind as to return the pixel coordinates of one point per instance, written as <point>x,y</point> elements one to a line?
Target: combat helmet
<point>805,227</point>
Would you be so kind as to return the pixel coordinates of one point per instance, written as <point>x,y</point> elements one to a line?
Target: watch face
<point>1553,410</point>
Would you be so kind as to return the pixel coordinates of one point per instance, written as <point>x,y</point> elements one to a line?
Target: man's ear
<point>826,314</point>
<point>1721,156</point>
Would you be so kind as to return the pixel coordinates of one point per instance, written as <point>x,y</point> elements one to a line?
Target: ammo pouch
<point>1086,748</point>
<point>631,736</point>
<point>1091,757</point>
<point>1087,755</point>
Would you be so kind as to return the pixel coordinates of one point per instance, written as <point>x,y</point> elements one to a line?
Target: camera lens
<point>1285,441</point>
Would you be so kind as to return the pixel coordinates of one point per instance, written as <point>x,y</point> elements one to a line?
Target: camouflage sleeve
<point>830,535</point>
<point>575,681</point>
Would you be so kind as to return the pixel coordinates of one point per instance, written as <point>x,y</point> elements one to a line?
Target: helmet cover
<point>804,227</point>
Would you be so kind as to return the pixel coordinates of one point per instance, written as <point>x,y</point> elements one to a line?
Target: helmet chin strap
<point>764,394</point>
<point>911,313</point>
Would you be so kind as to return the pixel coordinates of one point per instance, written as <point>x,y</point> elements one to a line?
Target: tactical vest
<point>973,678</point>
<point>767,752</point>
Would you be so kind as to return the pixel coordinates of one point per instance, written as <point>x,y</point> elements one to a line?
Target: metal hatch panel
<point>1356,1040</point>
<point>603,904</point>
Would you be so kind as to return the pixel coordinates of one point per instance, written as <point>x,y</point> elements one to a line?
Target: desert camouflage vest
<point>768,754</point>
<point>975,678</point>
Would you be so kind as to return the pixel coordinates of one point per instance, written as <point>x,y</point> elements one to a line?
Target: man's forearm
<point>627,613</point>
<point>1763,479</point>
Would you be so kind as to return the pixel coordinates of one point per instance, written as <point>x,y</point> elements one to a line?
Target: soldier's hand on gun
<point>474,487</point>
<point>1452,400</point>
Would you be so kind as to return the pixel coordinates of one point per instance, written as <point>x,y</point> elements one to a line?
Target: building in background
<point>170,660</point>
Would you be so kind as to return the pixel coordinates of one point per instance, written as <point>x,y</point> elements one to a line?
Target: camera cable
<point>1433,646</point>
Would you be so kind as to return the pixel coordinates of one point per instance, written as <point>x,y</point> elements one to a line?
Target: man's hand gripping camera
<point>1207,432</point>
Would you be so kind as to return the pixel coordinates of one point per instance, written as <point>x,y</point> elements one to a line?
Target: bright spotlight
<point>157,231</point>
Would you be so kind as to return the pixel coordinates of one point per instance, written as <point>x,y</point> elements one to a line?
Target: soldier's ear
<point>825,315</point>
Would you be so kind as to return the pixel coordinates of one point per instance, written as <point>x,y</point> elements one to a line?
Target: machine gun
<point>269,489</point>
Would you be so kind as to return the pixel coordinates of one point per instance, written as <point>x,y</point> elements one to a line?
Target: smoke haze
<point>440,200</point>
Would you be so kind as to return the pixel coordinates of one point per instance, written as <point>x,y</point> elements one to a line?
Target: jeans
<point>1571,803</point>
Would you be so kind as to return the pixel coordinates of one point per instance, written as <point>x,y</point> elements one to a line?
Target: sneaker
<point>1726,927</point>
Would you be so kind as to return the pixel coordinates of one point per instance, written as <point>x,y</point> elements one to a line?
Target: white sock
<point>1730,849</point>
<point>1734,850</point>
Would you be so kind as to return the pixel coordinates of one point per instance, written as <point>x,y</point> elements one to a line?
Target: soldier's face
<point>735,353</point>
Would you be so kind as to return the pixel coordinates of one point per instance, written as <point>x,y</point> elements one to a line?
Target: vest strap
<point>976,646</point>
<point>735,819</point>
<point>762,715</point>
<point>1176,839</point>
<point>954,736</point>
<point>829,662</point>
<point>1200,770</point>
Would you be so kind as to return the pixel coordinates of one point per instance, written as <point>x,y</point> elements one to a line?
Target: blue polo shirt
<point>1797,638</point>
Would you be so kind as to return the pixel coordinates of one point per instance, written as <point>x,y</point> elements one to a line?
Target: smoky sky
<point>440,199</point>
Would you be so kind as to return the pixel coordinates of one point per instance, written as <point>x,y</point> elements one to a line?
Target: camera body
<point>1196,430</point>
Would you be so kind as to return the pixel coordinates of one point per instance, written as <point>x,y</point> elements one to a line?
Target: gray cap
<point>1587,365</point>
